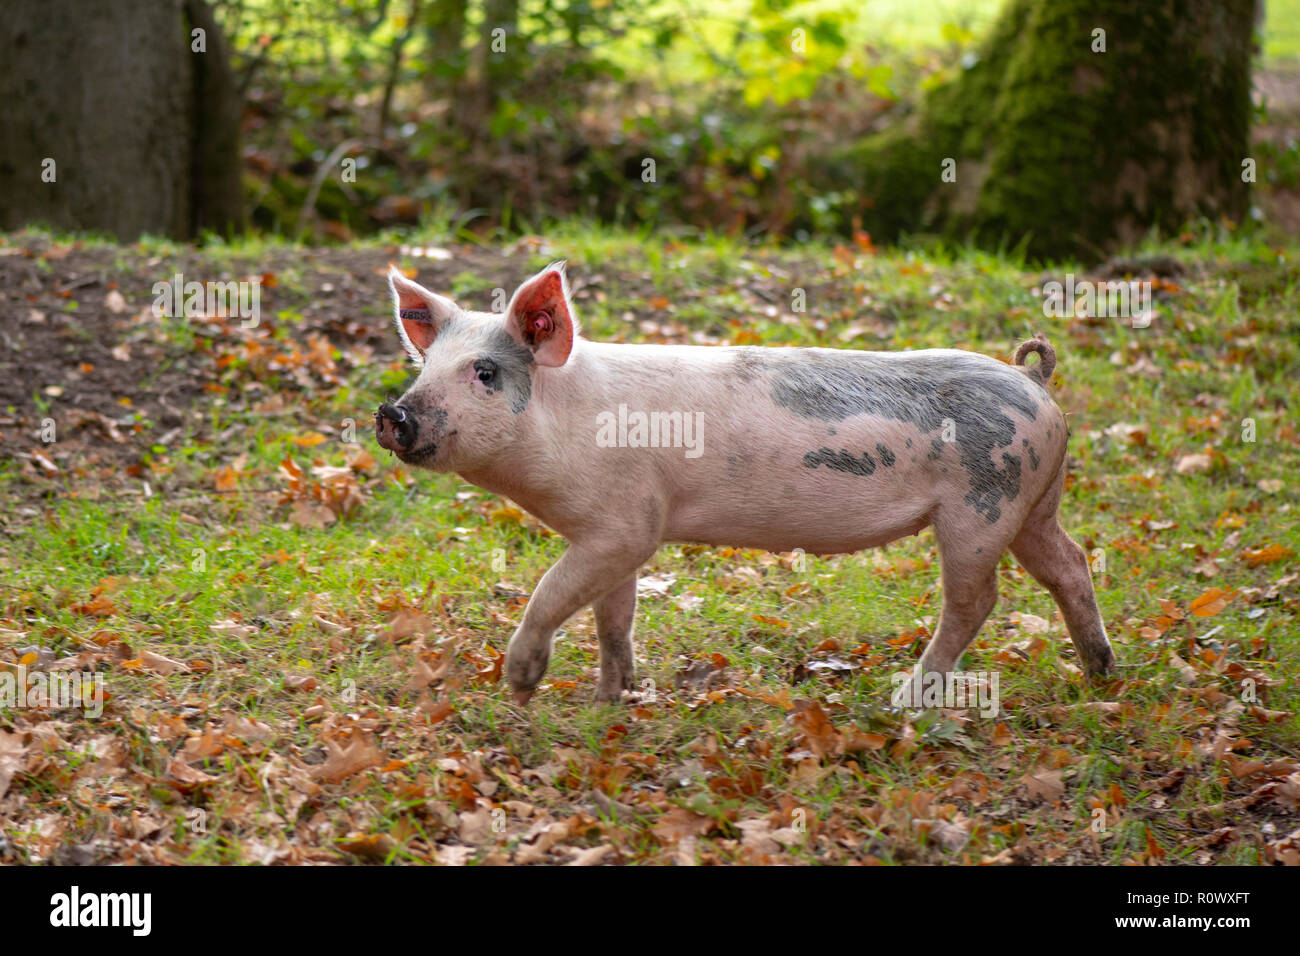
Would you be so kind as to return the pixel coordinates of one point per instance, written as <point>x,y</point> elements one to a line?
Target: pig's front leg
<point>584,574</point>
<point>615,615</point>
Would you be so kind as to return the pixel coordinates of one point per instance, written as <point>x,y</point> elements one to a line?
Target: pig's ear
<point>540,317</point>
<point>419,313</point>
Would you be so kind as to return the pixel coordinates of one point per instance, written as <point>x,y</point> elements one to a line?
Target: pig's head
<point>477,371</point>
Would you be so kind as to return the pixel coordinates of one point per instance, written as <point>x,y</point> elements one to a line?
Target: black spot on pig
<point>936,450</point>
<point>886,456</point>
<point>984,498</point>
<point>1033,455</point>
<point>923,389</point>
<point>438,419</point>
<point>841,460</point>
<point>514,369</point>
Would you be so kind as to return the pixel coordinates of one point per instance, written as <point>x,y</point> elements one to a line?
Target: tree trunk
<point>501,72</point>
<point>142,133</point>
<point>217,187</point>
<point>444,24</point>
<point>1062,147</point>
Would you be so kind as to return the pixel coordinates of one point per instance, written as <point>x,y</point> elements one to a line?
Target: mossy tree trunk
<point>111,120</point>
<point>1080,126</point>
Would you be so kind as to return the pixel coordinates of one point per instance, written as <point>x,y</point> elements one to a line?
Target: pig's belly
<point>822,513</point>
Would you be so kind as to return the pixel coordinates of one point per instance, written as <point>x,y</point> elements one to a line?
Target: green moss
<point>1069,150</point>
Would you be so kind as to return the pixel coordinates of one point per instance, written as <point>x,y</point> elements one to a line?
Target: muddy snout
<point>395,427</point>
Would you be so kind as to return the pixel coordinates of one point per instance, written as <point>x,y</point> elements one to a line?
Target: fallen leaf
<point>951,836</point>
<point>1268,555</point>
<point>372,846</point>
<point>360,754</point>
<point>12,752</point>
<point>225,479</point>
<point>593,856</point>
<point>1211,602</point>
<point>231,628</point>
<point>1045,786</point>
<point>679,823</point>
<point>163,665</point>
<point>1193,464</point>
<point>184,773</point>
<point>475,826</point>
<point>311,514</point>
<point>1031,623</point>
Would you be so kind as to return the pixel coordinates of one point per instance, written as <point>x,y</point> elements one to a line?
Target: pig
<point>622,447</point>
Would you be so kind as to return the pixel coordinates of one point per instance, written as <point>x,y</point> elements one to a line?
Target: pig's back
<point>799,448</point>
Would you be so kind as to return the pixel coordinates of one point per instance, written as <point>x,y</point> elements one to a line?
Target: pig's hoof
<point>610,695</point>
<point>522,697</point>
<point>1101,665</point>
<point>613,686</point>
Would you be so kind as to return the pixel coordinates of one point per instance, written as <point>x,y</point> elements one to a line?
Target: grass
<point>301,643</point>
<point>902,26</point>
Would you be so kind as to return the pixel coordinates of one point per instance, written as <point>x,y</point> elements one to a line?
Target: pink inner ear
<point>417,321</point>
<point>540,326</point>
<point>545,294</point>
<point>541,319</point>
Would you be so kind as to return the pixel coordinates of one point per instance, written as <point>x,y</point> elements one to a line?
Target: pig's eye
<point>486,370</point>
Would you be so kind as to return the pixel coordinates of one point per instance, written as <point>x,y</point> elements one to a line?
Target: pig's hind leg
<point>969,563</point>
<point>969,578</point>
<point>1058,563</point>
<point>615,614</point>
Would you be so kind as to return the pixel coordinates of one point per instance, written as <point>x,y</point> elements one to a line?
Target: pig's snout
<point>395,427</point>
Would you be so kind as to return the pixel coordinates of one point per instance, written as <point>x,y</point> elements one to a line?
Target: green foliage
<point>760,115</point>
<point>731,101</point>
<point>788,53</point>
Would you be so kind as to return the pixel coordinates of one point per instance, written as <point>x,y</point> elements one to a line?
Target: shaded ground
<point>82,335</point>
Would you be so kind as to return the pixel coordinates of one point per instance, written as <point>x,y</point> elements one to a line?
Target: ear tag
<point>415,315</point>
